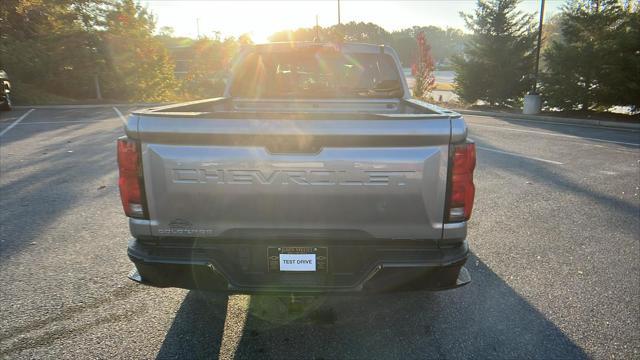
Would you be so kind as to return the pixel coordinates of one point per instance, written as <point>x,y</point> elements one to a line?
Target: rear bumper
<point>242,268</point>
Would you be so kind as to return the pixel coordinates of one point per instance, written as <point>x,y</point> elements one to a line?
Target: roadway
<point>555,238</point>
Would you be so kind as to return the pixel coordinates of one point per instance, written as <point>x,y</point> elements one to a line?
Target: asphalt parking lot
<point>555,237</point>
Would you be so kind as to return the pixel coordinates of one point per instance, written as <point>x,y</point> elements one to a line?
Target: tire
<point>6,105</point>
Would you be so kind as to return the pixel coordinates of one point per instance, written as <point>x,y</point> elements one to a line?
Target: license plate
<point>297,259</point>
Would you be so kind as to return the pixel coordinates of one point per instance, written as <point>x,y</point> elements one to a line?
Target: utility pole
<point>535,82</point>
<point>338,12</point>
<point>198,27</point>
<point>317,30</point>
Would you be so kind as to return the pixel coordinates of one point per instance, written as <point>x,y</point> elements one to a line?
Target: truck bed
<point>356,109</point>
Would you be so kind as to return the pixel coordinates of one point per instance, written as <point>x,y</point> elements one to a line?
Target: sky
<point>260,19</point>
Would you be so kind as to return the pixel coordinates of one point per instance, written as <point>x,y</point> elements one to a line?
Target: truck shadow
<point>42,183</point>
<point>486,319</point>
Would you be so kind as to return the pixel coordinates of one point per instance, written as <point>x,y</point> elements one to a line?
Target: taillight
<point>461,188</point>
<point>130,179</point>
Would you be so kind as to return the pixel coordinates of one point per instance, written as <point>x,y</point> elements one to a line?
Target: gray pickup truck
<point>315,173</point>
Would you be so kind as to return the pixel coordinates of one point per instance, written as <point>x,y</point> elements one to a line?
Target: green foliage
<point>60,46</point>
<point>47,43</point>
<point>138,66</point>
<point>53,50</point>
<point>34,95</point>
<point>208,61</point>
<point>595,63</point>
<point>349,32</point>
<point>499,56</point>
<point>444,43</point>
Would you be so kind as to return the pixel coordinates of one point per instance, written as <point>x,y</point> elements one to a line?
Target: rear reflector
<point>130,179</point>
<point>462,190</point>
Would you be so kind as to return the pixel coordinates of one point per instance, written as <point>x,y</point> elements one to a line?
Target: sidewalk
<point>554,119</point>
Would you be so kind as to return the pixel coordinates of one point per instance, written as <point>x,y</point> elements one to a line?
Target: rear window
<point>316,73</point>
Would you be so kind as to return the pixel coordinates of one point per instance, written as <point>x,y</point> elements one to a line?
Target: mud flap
<point>463,277</point>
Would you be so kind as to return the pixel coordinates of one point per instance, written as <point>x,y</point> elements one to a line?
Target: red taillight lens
<point>130,179</point>
<point>462,190</point>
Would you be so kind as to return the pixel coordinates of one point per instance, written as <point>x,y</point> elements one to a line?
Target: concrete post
<point>97,83</point>
<point>532,104</point>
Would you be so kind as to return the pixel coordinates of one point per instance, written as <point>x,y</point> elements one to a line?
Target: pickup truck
<point>316,172</point>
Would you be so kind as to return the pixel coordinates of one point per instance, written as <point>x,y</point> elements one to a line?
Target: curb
<point>557,120</point>
<point>82,106</point>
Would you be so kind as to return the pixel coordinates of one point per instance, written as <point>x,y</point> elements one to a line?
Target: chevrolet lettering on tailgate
<point>291,177</point>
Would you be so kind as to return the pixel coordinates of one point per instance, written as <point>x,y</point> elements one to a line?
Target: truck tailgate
<point>295,179</point>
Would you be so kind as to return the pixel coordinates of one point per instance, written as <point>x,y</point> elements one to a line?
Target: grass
<point>444,87</point>
<point>26,94</point>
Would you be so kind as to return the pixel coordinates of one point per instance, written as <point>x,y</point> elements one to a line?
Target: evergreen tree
<point>595,63</point>
<point>498,59</point>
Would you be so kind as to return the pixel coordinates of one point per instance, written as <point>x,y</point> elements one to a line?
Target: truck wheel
<point>6,105</point>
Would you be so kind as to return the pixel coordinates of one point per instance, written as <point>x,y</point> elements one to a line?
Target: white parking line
<point>68,121</point>
<point>16,122</point>
<point>520,155</point>
<point>557,135</point>
<point>124,120</point>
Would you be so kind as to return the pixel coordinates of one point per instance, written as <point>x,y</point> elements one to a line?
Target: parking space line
<point>16,122</point>
<point>520,155</point>
<point>67,122</point>
<point>557,135</point>
<point>124,120</point>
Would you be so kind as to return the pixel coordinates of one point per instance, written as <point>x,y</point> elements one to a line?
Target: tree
<point>423,69</point>
<point>499,56</point>
<point>349,32</point>
<point>53,45</point>
<point>595,62</point>
<point>139,66</point>
<point>59,46</point>
<point>444,43</point>
<point>208,59</point>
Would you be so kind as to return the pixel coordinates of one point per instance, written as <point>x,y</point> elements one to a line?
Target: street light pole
<point>338,12</point>
<point>535,82</point>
